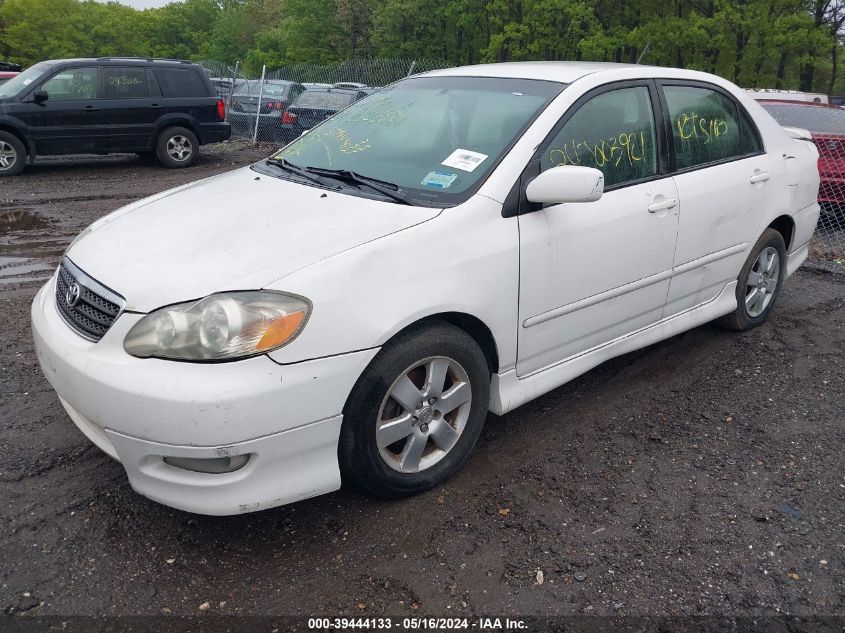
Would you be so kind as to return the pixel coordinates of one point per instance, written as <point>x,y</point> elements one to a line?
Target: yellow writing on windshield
<point>691,125</point>
<point>625,148</point>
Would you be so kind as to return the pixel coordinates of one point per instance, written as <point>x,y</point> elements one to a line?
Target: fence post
<point>411,69</point>
<point>258,112</point>
<point>232,89</point>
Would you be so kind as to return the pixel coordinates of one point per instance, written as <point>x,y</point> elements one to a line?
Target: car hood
<point>238,231</point>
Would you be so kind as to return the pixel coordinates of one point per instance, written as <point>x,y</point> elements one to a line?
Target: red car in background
<point>826,123</point>
<point>6,76</point>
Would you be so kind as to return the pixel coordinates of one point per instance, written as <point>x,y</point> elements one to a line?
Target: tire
<point>12,155</point>
<point>398,371</point>
<point>177,147</point>
<point>759,283</point>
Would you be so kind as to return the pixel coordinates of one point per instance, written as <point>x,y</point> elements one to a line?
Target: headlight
<point>222,326</point>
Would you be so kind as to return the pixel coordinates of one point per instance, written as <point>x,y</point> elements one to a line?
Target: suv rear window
<point>181,82</point>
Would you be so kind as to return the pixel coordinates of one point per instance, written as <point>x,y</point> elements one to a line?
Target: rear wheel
<point>416,412</point>
<point>759,283</point>
<point>12,154</point>
<point>177,147</point>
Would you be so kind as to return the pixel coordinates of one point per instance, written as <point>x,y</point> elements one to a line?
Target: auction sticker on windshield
<point>464,159</point>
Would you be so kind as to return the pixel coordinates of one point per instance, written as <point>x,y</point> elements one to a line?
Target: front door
<point>69,121</point>
<point>593,272</point>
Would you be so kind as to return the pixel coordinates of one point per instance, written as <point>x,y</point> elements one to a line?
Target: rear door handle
<point>759,177</point>
<point>156,106</point>
<point>668,203</point>
<point>91,109</point>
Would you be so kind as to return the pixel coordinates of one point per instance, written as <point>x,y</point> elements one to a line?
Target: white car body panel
<point>560,290</point>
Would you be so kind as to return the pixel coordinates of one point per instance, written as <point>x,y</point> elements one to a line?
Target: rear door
<point>725,184</point>
<point>184,91</point>
<point>130,108</point>
<point>70,121</point>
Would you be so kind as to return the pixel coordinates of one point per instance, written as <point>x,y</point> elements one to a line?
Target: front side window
<point>706,127</point>
<point>72,84</point>
<point>613,132</point>
<point>434,137</point>
<point>126,83</point>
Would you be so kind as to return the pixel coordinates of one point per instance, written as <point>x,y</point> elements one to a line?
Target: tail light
<point>276,105</point>
<point>221,110</point>
<point>288,118</point>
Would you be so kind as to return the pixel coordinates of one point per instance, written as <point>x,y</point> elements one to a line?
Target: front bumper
<point>140,411</point>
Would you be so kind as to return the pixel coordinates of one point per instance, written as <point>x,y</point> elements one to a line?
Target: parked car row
<point>155,107</point>
<point>288,108</point>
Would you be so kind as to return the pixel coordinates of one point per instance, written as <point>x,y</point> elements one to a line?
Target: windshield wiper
<point>296,169</point>
<point>388,189</point>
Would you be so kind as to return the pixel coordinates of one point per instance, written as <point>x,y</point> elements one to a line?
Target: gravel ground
<point>703,476</point>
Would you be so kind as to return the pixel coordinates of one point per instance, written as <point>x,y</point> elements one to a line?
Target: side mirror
<point>40,96</point>
<point>566,184</point>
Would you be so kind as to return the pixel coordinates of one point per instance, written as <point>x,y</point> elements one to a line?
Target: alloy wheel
<point>179,148</point>
<point>8,156</point>
<point>762,282</point>
<point>423,414</point>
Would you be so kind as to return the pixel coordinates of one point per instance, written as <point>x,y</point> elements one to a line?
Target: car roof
<point>790,102</point>
<point>122,61</point>
<point>563,72</point>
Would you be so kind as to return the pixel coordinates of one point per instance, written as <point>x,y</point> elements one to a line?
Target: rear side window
<point>126,83</point>
<point>613,132</point>
<point>706,126</point>
<point>181,82</point>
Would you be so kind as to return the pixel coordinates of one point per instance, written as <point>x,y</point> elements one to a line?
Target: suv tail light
<point>221,110</point>
<point>288,118</point>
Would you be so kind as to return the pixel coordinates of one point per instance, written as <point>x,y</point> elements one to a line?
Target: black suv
<point>166,108</point>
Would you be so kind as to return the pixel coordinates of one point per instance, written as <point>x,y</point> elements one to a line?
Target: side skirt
<point>507,391</point>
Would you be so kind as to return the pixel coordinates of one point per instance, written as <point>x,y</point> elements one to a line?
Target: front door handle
<point>668,203</point>
<point>759,176</point>
<point>156,106</point>
<point>91,109</point>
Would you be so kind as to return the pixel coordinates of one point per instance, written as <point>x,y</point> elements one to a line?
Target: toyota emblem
<point>72,295</point>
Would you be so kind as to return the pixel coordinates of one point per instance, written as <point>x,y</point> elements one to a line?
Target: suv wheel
<point>416,412</point>
<point>12,155</point>
<point>177,147</point>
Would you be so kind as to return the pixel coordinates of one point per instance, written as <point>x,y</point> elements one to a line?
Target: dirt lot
<point>701,476</point>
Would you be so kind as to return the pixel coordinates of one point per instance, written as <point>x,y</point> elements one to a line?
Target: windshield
<point>324,100</point>
<point>813,118</point>
<point>16,84</point>
<point>434,137</point>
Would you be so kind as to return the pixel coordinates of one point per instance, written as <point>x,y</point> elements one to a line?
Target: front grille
<point>93,309</point>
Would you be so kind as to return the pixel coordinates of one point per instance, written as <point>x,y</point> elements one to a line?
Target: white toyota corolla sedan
<point>460,242</point>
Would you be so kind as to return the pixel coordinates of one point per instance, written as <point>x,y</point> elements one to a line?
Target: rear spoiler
<point>798,133</point>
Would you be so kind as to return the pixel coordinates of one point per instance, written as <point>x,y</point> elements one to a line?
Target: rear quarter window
<point>181,82</point>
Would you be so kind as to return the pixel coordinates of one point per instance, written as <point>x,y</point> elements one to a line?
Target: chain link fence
<point>276,106</point>
<point>827,125</point>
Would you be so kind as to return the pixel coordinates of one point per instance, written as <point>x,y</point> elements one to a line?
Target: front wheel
<point>416,412</point>
<point>759,283</point>
<point>12,155</point>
